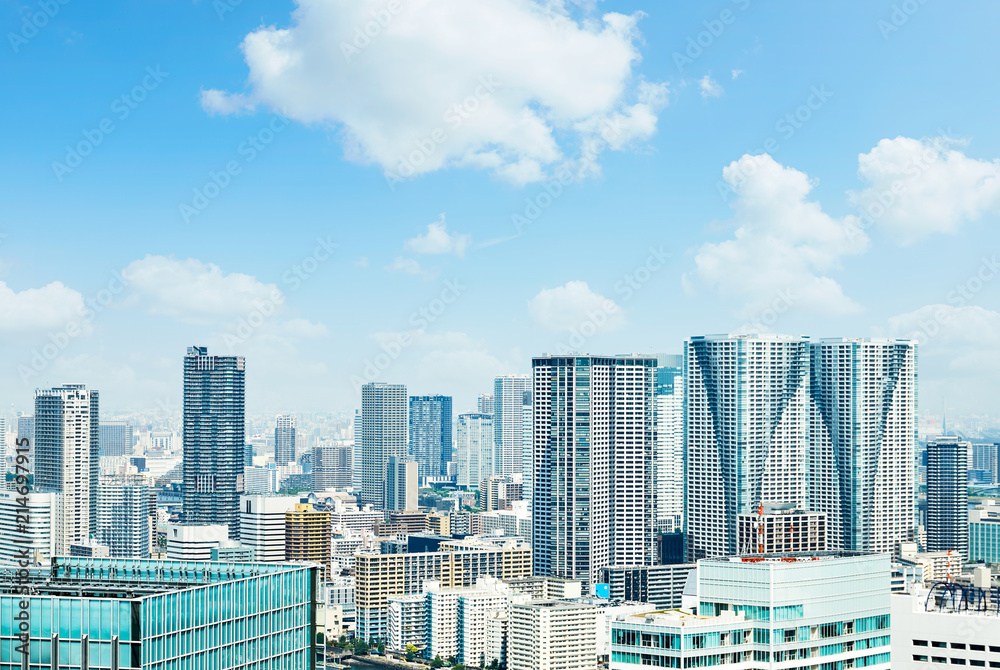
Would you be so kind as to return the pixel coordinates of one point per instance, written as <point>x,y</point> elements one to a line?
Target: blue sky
<point>645,244</point>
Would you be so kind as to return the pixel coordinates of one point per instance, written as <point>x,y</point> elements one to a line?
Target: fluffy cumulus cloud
<point>784,246</point>
<point>516,87</point>
<point>709,87</point>
<point>437,240</point>
<point>916,188</point>
<point>37,309</point>
<point>196,291</point>
<point>574,307</point>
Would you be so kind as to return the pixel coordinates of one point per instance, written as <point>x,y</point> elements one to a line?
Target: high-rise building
<point>123,517</point>
<point>594,501</point>
<point>508,400</point>
<point>332,467</point>
<point>26,430</point>
<point>262,525</point>
<point>356,478</point>
<point>484,403</point>
<point>67,456</point>
<point>747,431</point>
<point>430,434</point>
<point>669,461</point>
<point>307,536</point>
<point>474,446</point>
<point>401,484</point>
<point>30,526</point>
<point>214,438</point>
<point>284,439</point>
<point>383,434</point>
<point>527,452</point>
<point>948,495</point>
<point>115,438</point>
<point>864,437</point>
<point>984,534</point>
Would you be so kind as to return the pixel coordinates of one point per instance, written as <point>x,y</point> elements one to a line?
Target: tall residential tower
<point>430,434</point>
<point>383,434</point>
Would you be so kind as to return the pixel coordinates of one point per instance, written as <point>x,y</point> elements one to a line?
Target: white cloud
<point>438,241</point>
<point>570,307</point>
<point>193,290</point>
<point>409,266</point>
<point>782,246</point>
<point>509,86</point>
<point>736,74</point>
<point>709,87</point>
<point>916,188</point>
<point>35,309</point>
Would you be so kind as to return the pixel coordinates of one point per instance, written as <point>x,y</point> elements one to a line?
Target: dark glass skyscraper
<point>284,439</point>
<point>948,495</point>
<point>214,409</point>
<point>430,433</point>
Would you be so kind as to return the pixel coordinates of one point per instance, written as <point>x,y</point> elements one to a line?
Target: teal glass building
<point>110,614</point>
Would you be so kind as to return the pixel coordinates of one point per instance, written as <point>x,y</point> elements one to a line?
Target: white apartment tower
<point>383,434</point>
<point>593,438</point>
<point>669,473</point>
<point>474,447</point>
<point>67,457</point>
<point>508,399</point>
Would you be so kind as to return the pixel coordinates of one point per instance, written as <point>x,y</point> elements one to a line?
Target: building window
<point>939,645</point>
<point>920,643</point>
<point>977,647</point>
<point>978,664</point>
<point>917,657</point>
<point>938,659</point>
<point>958,661</point>
<point>958,645</point>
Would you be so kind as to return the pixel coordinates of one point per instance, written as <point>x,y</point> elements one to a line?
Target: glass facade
<point>984,542</point>
<point>161,615</point>
<point>430,434</point>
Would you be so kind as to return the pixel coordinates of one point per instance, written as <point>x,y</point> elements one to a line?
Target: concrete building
<point>284,439</point>
<point>781,529</point>
<point>659,585</point>
<point>527,449</point>
<point>484,403</point>
<point>115,438</point>
<point>552,635</point>
<point>261,480</point>
<point>935,566</point>
<point>138,613</point>
<point>231,551</point>
<point>213,437</point>
<point>828,610</point>
<point>508,400</point>
<point>984,534</point>
<point>431,434</point>
<point>383,434</point>
<point>332,466</point>
<point>123,516</point>
<point>307,536</point>
<point>948,495</point>
<point>474,448</point>
<point>401,484</point>
<point>38,539</point>
<point>190,542</point>
<point>67,457</point>
<point>949,624</point>
<point>669,458</point>
<point>594,500</point>
<point>262,525</point>
<point>407,622</point>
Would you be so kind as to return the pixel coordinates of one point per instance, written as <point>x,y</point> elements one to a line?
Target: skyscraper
<point>401,484</point>
<point>747,433</point>
<point>284,439</point>
<point>948,495</point>
<point>527,454</point>
<point>508,399</point>
<point>115,438</point>
<point>214,438</point>
<point>123,517</point>
<point>864,434</point>
<point>430,434</point>
<point>669,473</point>
<point>475,448</point>
<point>593,435</point>
<point>383,434</point>
<point>67,456</point>
<point>26,430</point>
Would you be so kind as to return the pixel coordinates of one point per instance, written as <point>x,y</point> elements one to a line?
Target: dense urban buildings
<point>508,399</point>
<point>214,438</point>
<point>67,457</point>
<point>383,434</point>
<point>948,495</point>
<point>551,634</point>
<point>284,439</point>
<point>431,434</point>
<point>262,525</point>
<point>593,494</point>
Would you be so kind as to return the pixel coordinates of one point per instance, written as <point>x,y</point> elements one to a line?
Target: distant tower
<point>383,434</point>
<point>214,438</point>
<point>430,434</point>
<point>669,398</point>
<point>284,439</point>
<point>508,400</point>
<point>475,448</point>
<point>948,495</point>
<point>115,438</point>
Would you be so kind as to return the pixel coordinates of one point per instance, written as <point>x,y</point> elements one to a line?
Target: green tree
<point>360,647</point>
<point>458,666</point>
<point>381,648</point>
<point>437,662</point>
<point>411,652</point>
<point>494,664</point>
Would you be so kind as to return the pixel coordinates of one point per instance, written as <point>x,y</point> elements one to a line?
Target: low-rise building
<point>660,585</point>
<point>194,542</point>
<point>984,534</point>
<point>551,635</point>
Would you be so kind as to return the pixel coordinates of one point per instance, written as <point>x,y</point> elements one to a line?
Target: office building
<point>67,456</point>
<point>381,576</point>
<point>594,501</point>
<point>508,400</point>
<point>189,542</point>
<point>658,585</point>
<point>231,551</point>
<point>781,529</point>
<point>947,625</point>
<point>551,635</point>
<point>383,434</point>
<point>158,615</point>
<point>26,431</point>
<point>401,484</point>
<point>984,458</point>
<point>984,534</point>
<point>474,448</point>
<point>331,466</point>
<point>214,409</point>
<point>948,495</point>
<point>669,459</point>
<point>262,525</point>
<point>307,536</point>
<point>39,537</point>
<point>484,403</point>
<point>284,439</point>
<point>828,610</point>
<point>123,517</point>
<point>864,434</point>
<point>115,438</point>
<point>430,434</point>
<point>261,480</point>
